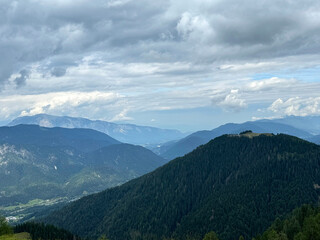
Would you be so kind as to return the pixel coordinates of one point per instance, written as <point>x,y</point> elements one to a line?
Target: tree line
<point>302,224</point>
<point>37,231</point>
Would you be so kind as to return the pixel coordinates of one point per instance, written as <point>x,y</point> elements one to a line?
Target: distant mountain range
<point>234,185</point>
<point>192,141</point>
<point>83,140</point>
<point>170,144</point>
<point>126,133</point>
<point>310,124</point>
<point>59,164</point>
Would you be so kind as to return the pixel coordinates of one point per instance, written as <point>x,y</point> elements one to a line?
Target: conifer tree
<point>211,236</point>
<point>4,226</point>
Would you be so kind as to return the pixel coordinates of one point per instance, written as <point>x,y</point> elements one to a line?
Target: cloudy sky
<point>185,64</point>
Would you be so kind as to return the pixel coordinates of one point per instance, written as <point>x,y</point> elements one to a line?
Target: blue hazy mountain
<point>189,143</point>
<point>310,124</point>
<point>84,140</point>
<point>127,133</point>
<point>315,139</point>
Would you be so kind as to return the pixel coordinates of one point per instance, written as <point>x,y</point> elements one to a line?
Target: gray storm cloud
<point>21,80</point>
<point>58,71</point>
<point>147,31</point>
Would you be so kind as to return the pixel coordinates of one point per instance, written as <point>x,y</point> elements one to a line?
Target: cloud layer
<point>147,55</point>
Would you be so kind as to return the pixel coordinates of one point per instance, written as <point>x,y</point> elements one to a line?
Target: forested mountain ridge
<point>234,185</point>
<point>127,133</point>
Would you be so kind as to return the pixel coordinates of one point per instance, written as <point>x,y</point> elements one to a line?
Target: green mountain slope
<point>59,174</point>
<point>48,170</point>
<point>29,172</point>
<point>233,185</point>
<point>123,157</point>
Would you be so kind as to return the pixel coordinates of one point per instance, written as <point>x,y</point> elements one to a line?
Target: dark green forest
<point>302,224</point>
<point>234,185</point>
<point>46,232</point>
<point>37,231</point>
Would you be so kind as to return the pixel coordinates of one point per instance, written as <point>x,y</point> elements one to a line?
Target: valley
<point>26,211</point>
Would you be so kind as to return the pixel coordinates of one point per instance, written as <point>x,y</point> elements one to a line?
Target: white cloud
<point>88,103</point>
<point>122,116</point>
<point>231,101</point>
<point>296,106</point>
<point>249,66</point>
<point>271,83</point>
<point>116,3</point>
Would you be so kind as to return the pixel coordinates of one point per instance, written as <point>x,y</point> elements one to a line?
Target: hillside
<point>124,157</point>
<point>234,185</point>
<point>191,142</point>
<point>127,133</point>
<point>48,166</point>
<point>31,172</point>
<point>17,236</point>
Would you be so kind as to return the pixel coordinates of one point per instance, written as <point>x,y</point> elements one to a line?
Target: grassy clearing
<point>17,236</point>
<point>251,134</point>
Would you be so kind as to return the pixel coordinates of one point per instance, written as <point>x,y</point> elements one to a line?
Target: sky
<point>183,64</point>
